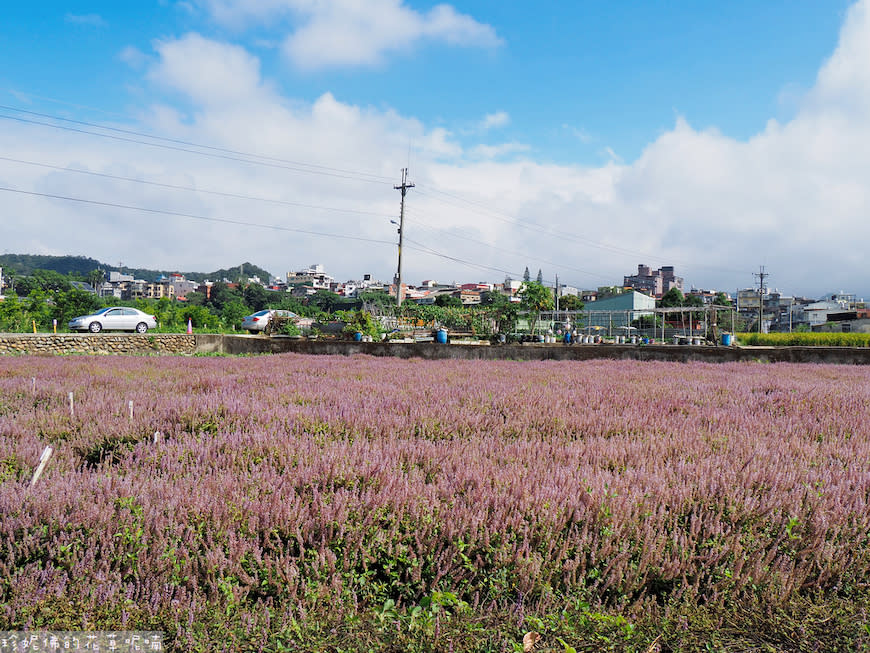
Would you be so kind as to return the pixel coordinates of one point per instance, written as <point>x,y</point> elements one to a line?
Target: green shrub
<point>359,322</point>
<point>290,329</point>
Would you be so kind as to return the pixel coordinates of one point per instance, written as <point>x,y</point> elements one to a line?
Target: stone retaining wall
<point>96,343</point>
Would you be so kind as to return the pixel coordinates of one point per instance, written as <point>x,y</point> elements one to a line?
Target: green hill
<point>24,264</point>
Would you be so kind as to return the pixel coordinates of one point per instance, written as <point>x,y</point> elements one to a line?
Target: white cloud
<point>353,33</point>
<point>133,57</point>
<point>497,119</point>
<point>794,197</point>
<point>209,73</point>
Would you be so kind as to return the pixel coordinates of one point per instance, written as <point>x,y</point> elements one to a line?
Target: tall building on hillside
<point>654,282</point>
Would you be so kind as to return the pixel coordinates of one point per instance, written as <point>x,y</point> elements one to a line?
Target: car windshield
<point>101,311</point>
<point>261,313</point>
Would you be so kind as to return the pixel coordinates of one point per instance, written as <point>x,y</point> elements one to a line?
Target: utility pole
<point>404,188</point>
<point>557,293</point>
<point>761,274</point>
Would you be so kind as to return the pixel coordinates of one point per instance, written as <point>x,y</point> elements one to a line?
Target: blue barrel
<point>357,336</point>
<point>441,336</point>
<point>567,337</point>
<point>727,339</point>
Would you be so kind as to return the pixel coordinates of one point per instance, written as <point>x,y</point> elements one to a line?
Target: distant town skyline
<point>653,282</point>
<point>580,139</point>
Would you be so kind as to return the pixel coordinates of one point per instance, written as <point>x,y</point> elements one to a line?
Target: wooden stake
<point>72,412</point>
<point>43,461</point>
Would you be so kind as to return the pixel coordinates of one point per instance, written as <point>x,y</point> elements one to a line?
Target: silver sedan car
<point>261,319</point>
<point>115,318</point>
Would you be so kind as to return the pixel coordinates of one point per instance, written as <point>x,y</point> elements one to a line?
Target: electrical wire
<point>194,216</point>
<point>419,246</point>
<point>547,232</point>
<point>193,144</point>
<point>431,228</point>
<point>481,209</point>
<point>25,96</point>
<point>338,172</point>
<point>305,168</point>
<point>192,189</point>
<point>190,151</point>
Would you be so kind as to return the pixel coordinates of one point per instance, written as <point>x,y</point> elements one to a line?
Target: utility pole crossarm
<point>404,186</point>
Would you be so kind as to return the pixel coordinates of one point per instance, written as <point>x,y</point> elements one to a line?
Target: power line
<point>190,188</point>
<point>416,246</point>
<point>21,95</point>
<point>190,151</point>
<point>524,255</point>
<point>194,216</point>
<point>420,247</point>
<point>309,168</point>
<point>193,144</point>
<point>305,168</point>
<point>547,232</point>
<point>482,209</point>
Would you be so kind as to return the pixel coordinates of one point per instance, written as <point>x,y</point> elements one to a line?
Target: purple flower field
<point>307,503</point>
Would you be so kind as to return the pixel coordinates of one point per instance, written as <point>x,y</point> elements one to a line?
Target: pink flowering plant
<point>301,503</point>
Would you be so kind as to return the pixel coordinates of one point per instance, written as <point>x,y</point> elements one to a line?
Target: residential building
<point>314,276</point>
<point>706,296</point>
<point>512,286</point>
<point>118,277</point>
<point>302,290</point>
<point>181,286</point>
<point>654,282</point>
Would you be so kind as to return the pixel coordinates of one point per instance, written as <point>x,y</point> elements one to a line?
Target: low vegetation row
<point>292,503</point>
<point>805,339</point>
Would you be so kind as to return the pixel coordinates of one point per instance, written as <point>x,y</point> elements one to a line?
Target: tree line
<point>45,295</point>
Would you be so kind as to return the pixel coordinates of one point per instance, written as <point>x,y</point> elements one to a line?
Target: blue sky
<point>566,116</point>
<point>575,77</point>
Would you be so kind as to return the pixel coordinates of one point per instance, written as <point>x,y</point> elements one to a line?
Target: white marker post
<point>72,411</point>
<point>131,409</point>
<point>157,437</point>
<point>43,461</point>
<point>33,383</point>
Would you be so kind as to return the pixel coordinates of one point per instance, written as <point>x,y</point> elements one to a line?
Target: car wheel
<point>141,327</point>
<point>253,332</point>
<point>95,327</point>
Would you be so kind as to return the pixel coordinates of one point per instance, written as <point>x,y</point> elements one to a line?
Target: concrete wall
<point>232,344</point>
<point>99,343</point>
<point>245,344</point>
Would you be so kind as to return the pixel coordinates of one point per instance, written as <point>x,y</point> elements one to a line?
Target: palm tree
<point>95,278</point>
